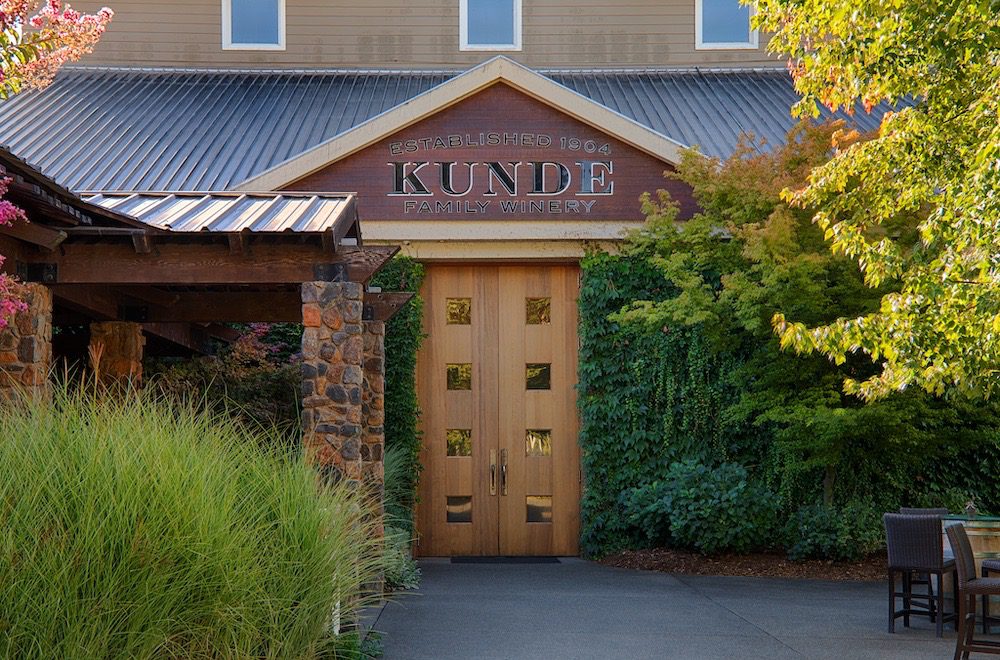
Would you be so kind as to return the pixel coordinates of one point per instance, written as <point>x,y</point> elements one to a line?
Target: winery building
<point>493,140</point>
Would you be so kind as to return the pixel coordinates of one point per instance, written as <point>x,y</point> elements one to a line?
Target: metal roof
<point>709,109</point>
<point>231,212</point>
<point>117,129</point>
<point>143,129</point>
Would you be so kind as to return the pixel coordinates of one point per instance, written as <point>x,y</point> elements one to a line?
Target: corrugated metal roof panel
<point>133,129</point>
<point>229,212</point>
<point>129,129</point>
<point>709,109</point>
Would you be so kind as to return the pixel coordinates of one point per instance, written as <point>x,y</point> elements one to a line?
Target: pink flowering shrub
<point>10,301</point>
<point>32,48</point>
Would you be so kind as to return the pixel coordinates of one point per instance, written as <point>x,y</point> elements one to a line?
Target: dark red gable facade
<point>500,155</point>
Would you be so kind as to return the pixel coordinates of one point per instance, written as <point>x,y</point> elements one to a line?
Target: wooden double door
<point>496,379</point>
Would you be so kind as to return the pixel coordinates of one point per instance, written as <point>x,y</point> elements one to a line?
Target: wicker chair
<point>934,511</point>
<point>969,587</point>
<point>989,566</point>
<point>908,511</point>
<point>915,545</point>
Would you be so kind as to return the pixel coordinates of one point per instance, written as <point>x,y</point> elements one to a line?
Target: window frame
<point>753,42</point>
<point>227,30</point>
<point>463,30</point>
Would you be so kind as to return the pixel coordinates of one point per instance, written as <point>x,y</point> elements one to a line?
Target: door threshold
<point>505,560</point>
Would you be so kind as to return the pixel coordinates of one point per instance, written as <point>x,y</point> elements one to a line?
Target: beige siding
<point>414,33</point>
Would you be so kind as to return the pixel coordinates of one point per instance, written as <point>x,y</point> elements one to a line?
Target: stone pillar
<point>373,413</point>
<point>116,352</point>
<point>332,377</point>
<point>26,345</point>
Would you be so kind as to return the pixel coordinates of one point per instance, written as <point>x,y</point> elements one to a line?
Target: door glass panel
<point>538,442</point>
<point>460,442</point>
<point>459,311</point>
<point>539,508</point>
<point>539,376</point>
<point>460,509</point>
<point>459,376</point>
<point>538,310</point>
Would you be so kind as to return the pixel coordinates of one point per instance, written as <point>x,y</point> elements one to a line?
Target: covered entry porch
<point>174,269</point>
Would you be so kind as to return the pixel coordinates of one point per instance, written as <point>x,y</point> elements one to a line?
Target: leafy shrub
<point>709,509</point>
<point>401,571</point>
<point>396,478</point>
<point>845,533</point>
<point>251,378</point>
<point>648,508</point>
<point>134,528</point>
<point>351,646</point>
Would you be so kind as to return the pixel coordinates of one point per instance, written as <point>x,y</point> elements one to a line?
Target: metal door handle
<point>493,472</point>
<point>503,471</point>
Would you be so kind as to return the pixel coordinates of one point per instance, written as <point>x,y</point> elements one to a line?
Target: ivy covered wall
<point>646,398</point>
<point>654,397</point>
<point>403,335</point>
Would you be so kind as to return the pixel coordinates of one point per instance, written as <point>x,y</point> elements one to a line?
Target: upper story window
<point>723,24</point>
<point>253,24</point>
<point>490,24</point>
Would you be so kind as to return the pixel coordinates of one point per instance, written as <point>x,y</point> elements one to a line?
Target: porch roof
<point>234,212</point>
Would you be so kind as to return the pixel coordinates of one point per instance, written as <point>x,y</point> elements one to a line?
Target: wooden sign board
<point>499,155</point>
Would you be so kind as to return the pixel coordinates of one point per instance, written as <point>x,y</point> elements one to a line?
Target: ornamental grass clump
<point>135,528</point>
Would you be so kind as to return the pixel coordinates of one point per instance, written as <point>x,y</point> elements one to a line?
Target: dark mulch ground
<point>666,560</point>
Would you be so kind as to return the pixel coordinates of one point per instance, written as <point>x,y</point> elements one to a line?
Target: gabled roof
<point>211,130</point>
<point>499,69</point>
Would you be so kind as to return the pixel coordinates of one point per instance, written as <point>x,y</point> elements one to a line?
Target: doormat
<point>505,560</point>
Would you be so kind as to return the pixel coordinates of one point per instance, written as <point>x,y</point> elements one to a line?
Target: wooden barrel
<point>984,537</point>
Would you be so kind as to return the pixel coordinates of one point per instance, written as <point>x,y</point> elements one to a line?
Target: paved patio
<point>577,609</point>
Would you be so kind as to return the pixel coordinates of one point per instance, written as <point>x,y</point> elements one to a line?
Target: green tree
<point>748,254</point>
<point>938,156</point>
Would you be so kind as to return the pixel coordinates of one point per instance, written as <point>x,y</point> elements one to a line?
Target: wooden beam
<point>223,332</point>
<point>102,304</point>
<point>150,294</point>
<point>34,233</point>
<point>207,307</point>
<point>248,307</point>
<point>238,243</point>
<point>14,251</point>
<point>187,335</point>
<point>142,243</point>
<point>383,306</point>
<point>186,307</point>
<point>185,264</point>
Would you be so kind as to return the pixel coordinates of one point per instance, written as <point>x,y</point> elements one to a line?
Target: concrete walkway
<point>577,609</point>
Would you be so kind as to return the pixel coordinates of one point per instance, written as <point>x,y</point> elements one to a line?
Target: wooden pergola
<point>106,265</point>
<point>179,266</point>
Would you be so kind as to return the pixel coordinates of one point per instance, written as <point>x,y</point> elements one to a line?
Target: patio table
<point>984,535</point>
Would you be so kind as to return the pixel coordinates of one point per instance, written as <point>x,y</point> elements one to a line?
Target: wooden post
<point>116,353</point>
